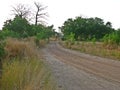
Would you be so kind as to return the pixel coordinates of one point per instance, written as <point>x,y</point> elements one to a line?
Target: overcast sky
<point>61,10</point>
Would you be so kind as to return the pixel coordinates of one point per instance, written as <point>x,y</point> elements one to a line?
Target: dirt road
<point>77,71</point>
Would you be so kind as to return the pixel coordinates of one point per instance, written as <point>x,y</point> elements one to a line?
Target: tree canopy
<point>86,28</point>
<point>18,25</point>
<point>21,27</point>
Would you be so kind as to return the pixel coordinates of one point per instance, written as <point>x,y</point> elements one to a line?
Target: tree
<point>18,25</point>
<point>86,28</point>
<point>108,24</point>
<point>22,11</point>
<point>39,14</point>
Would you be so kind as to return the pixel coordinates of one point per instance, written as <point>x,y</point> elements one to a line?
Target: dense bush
<point>112,39</point>
<point>2,51</point>
<point>86,28</point>
<point>19,49</point>
<point>7,33</point>
<point>23,61</point>
<point>18,25</point>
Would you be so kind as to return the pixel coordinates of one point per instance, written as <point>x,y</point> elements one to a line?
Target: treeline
<point>21,26</point>
<point>20,39</point>
<point>86,28</point>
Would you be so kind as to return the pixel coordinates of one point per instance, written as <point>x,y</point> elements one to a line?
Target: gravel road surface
<point>78,71</point>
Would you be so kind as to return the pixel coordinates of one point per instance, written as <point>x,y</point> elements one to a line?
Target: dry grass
<point>20,49</point>
<point>97,48</point>
<point>25,75</point>
<point>23,69</point>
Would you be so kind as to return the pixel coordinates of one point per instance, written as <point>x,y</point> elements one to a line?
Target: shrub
<point>71,38</point>
<point>42,37</point>
<point>20,49</point>
<point>7,33</point>
<point>111,40</point>
<point>25,75</point>
<point>23,69</point>
<point>93,40</point>
<point>2,51</point>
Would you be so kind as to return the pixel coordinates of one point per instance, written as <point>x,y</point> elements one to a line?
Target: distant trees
<point>86,28</point>
<point>21,27</point>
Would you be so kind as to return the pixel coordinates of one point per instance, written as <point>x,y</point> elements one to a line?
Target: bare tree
<point>22,11</point>
<point>40,14</point>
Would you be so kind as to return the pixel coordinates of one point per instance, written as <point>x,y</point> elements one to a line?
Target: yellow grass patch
<point>23,68</point>
<point>97,48</point>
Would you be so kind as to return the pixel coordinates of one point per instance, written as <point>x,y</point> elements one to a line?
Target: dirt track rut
<point>77,71</point>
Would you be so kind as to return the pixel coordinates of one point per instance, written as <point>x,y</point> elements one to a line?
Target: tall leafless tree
<point>22,11</point>
<point>40,13</point>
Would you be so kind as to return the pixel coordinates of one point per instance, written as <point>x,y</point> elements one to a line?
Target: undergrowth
<point>97,49</point>
<point>23,69</point>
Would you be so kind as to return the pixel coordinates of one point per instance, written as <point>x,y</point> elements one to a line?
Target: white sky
<point>61,10</point>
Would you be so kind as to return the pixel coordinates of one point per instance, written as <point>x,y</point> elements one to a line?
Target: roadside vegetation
<point>21,62</point>
<point>23,67</point>
<point>91,35</point>
<point>98,49</point>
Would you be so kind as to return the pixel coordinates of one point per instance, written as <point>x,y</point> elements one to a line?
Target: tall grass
<point>20,49</point>
<point>24,75</point>
<point>96,49</point>
<point>23,69</point>
<point>112,40</point>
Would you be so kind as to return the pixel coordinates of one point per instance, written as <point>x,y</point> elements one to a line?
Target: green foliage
<point>71,37</point>
<point>43,33</point>
<point>7,33</point>
<point>37,29</point>
<point>86,28</point>
<point>18,25</point>
<point>112,39</point>
<point>94,40</point>
<point>2,51</point>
